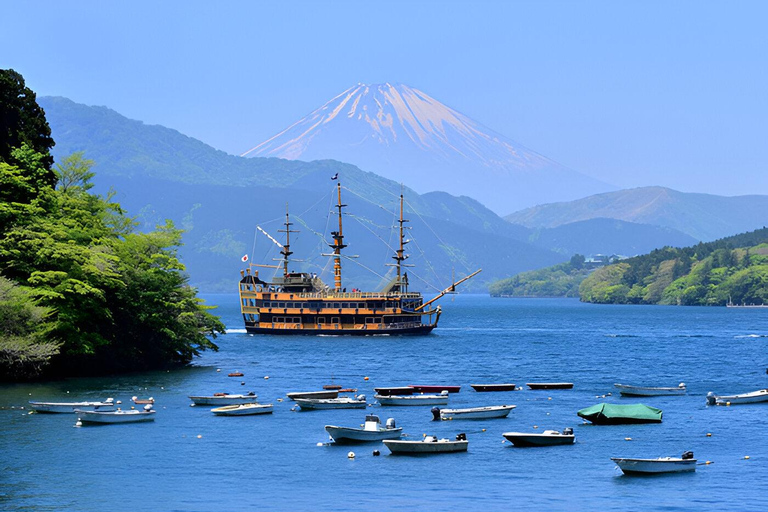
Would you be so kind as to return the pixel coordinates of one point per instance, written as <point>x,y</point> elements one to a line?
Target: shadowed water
<point>190,460</point>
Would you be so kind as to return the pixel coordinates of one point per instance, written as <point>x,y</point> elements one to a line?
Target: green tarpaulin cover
<point>607,414</point>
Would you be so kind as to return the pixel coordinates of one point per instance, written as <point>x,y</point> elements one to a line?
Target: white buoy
<point>319,444</point>
<point>79,423</point>
<point>351,455</point>
<point>266,377</point>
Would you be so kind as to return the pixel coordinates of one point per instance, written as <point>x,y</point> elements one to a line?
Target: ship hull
<point>406,331</point>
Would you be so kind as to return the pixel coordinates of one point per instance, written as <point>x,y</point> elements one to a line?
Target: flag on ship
<point>244,258</point>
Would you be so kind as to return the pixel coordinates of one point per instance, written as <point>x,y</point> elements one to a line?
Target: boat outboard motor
<point>711,398</point>
<point>568,431</point>
<point>435,414</point>
<point>687,455</point>
<point>148,407</point>
<point>461,437</point>
<point>444,392</point>
<point>361,398</point>
<point>391,423</point>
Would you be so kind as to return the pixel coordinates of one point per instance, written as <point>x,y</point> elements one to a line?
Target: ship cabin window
<point>334,320</point>
<point>372,320</point>
<point>337,305</point>
<point>281,305</point>
<point>345,305</point>
<point>321,320</point>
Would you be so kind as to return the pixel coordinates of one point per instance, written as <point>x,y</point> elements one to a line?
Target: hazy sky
<point>633,93</point>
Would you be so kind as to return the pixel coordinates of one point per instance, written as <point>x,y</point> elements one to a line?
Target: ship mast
<point>338,245</point>
<point>286,248</point>
<point>400,256</point>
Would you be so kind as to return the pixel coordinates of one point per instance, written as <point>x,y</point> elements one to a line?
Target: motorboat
<point>357,402</point>
<point>430,444</point>
<point>70,407</point>
<point>434,388</point>
<point>493,387</point>
<point>142,401</point>
<point>549,385</point>
<point>220,399</point>
<point>243,410</point>
<point>117,416</point>
<point>627,390</point>
<point>472,413</point>
<point>546,438</point>
<point>396,390</point>
<point>761,395</point>
<point>371,431</point>
<point>683,464</point>
<point>325,394</point>
<point>612,414</point>
<point>408,400</point>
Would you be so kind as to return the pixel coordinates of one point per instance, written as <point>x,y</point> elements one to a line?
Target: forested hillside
<point>81,292</point>
<point>731,269</point>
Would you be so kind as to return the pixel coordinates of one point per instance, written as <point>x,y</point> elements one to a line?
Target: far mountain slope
<point>703,216</point>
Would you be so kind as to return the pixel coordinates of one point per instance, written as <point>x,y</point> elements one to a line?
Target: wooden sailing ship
<point>300,303</point>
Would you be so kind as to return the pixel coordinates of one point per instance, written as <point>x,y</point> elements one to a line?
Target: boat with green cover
<point>612,414</point>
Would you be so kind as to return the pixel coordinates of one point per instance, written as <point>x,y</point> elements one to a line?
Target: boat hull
<point>627,390</point>
<point>405,331</point>
<point>477,413</point>
<point>524,439</point>
<point>402,390</point>
<point>414,400</point>
<point>112,417</point>
<point>69,407</point>
<point>345,435</point>
<point>311,404</point>
<point>754,397</point>
<point>550,385</point>
<point>654,466</point>
<point>435,389</point>
<point>243,410</point>
<point>397,446</point>
<point>492,387</point>
<point>224,400</point>
<point>317,395</point>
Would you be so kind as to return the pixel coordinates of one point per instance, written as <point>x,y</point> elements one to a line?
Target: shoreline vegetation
<point>729,270</point>
<point>81,292</point>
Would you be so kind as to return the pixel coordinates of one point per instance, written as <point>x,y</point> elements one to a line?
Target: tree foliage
<point>732,269</point>
<point>557,281</point>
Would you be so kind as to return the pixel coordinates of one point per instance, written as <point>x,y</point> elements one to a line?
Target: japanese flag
<point>244,258</point>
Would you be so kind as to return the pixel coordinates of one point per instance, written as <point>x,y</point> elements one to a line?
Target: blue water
<point>190,460</point>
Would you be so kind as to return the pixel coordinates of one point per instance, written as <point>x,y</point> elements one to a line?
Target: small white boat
<point>430,444</point>
<point>243,410</point>
<point>220,399</point>
<point>326,394</point>
<point>627,390</point>
<point>441,399</point>
<point>118,416</point>
<point>761,395</point>
<point>371,431</point>
<point>473,413</point>
<point>682,464</point>
<point>546,438</point>
<point>332,403</point>
<point>70,407</point>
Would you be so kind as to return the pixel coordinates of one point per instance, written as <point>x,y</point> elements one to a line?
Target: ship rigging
<point>301,303</point>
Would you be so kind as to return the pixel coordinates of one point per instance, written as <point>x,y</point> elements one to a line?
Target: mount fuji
<point>403,134</point>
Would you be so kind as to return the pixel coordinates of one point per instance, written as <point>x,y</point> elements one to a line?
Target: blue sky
<point>633,93</point>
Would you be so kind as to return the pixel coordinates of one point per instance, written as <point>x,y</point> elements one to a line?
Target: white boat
<point>332,403</point>
<point>627,390</point>
<point>118,416</point>
<point>441,399</point>
<point>761,395</point>
<point>430,444</point>
<point>70,407</point>
<point>326,394</point>
<point>473,413</point>
<point>243,410</point>
<point>371,431</point>
<point>220,399</point>
<point>546,438</point>
<point>682,464</point>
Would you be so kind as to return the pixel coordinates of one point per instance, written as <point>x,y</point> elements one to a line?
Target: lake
<point>190,460</point>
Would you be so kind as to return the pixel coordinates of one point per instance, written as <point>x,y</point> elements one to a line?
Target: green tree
<point>22,121</point>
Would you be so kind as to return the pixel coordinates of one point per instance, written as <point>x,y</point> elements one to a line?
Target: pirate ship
<point>301,303</point>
